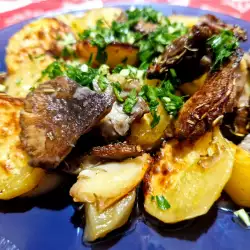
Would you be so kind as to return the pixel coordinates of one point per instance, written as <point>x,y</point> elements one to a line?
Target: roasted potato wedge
<point>116,53</point>
<point>238,186</point>
<point>142,134</point>
<point>99,224</point>
<point>33,40</point>
<point>120,179</point>
<point>190,176</point>
<point>16,176</point>
<point>20,83</point>
<point>89,19</point>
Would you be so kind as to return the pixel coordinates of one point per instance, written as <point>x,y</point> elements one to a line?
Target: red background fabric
<point>13,11</point>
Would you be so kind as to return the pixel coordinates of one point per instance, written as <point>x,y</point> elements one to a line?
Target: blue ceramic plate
<point>50,222</point>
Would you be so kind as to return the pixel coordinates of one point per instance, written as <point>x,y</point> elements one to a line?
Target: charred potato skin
<point>117,53</point>
<point>34,39</point>
<point>16,176</point>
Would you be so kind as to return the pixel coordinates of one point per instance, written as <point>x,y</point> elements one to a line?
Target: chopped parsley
<point>161,202</point>
<point>166,94</point>
<point>18,82</point>
<point>82,74</point>
<point>157,41</point>
<point>101,36</point>
<point>147,14</point>
<point>149,46</point>
<point>222,45</point>
<point>130,102</point>
<point>117,69</point>
<point>172,103</point>
<point>66,42</point>
<point>150,94</point>
<point>117,90</point>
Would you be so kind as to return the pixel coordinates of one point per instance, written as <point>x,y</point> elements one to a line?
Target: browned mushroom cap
<point>55,115</point>
<point>186,52</point>
<point>207,106</point>
<point>117,151</point>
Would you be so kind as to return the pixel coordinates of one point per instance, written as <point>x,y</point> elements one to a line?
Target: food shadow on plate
<point>57,199</point>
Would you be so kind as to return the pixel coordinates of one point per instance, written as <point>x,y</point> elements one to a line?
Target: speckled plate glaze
<point>50,222</point>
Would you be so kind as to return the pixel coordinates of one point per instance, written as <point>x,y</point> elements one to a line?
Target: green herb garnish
<point>117,90</point>
<point>223,45</point>
<point>157,41</point>
<point>18,82</point>
<point>147,14</point>
<point>162,203</point>
<point>150,94</point>
<point>82,74</point>
<point>130,102</point>
<point>172,103</point>
<point>166,94</point>
<point>117,69</point>
<point>53,70</point>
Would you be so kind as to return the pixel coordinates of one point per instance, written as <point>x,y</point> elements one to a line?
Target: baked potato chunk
<point>89,18</point>
<point>188,21</point>
<point>190,177</point>
<point>116,53</point>
<point>99,224</point>
<point>21,82</point>
<point>144,135</point>
<point>120,179</point>
<point>238,186</point>
<point>16,176</point>
<point>33,40</point>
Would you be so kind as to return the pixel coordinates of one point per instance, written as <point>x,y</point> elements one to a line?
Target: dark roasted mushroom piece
<point>185,53</point>
<point>55,115</point>
<point>207,106</point>
<point>117,151</point>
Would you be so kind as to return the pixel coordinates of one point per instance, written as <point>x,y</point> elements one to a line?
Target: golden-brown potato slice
<point>189,88</point>
<point>49,182</point>
<point>238,186</point>
<point>20,83</point>
<point>33,40</point>
<point>16,176</point>
<point>142,134</point>
<point>190,176</point>
<point>188,21</point>
<point>116,53</point>
<point>107,183</point>
<point>99,224</point>
<point>89,19</point>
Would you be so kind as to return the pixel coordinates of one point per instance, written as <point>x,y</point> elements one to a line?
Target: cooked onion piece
<point>99,224</point>
<point>108,182</point>
<point>190,177</point>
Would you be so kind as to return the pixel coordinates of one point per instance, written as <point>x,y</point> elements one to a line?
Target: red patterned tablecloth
<point>13,11</point>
